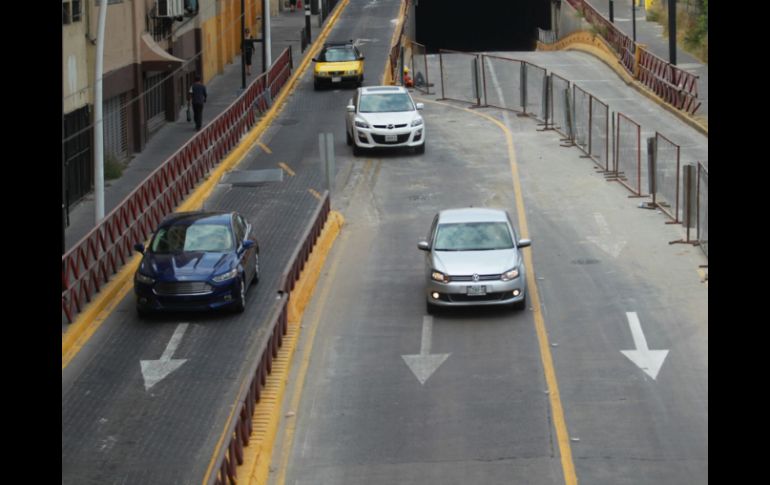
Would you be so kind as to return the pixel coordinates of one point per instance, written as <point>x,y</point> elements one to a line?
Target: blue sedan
<point>197,261</point>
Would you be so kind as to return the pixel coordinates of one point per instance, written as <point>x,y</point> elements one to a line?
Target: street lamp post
<point>672,31</point>
<point>612,11</point>
<point>98,118</point>
<point>633,19</point>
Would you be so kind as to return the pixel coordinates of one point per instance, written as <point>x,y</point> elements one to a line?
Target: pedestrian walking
<point>248,49</point>
<point>293,4</point>
<point>197,95</point>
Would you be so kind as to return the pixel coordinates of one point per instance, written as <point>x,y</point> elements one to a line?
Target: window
<point>77,11</point>
<point>66,16</point>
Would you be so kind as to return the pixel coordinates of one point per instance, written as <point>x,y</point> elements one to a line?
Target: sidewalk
<point>222,90</point>
<point>651,34</point>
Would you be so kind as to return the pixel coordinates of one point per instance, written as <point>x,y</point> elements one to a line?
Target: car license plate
<point>479,290</point>
<point>391,137</point>
<point>336,79</point>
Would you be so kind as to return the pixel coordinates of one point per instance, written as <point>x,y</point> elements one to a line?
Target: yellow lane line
<point>287,169</point>
<point>315,193</point>
<point>291,425</point>
<point>264,147</point>
<point>559,422</point>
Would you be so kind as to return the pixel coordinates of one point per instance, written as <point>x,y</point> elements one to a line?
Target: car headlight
<point>417,122</point>
<point>361,123</point>
<point>144,279</point>
<point>226,276</point>
<point>510,274</point>
<point>439,276</point>
<point>351,73</point>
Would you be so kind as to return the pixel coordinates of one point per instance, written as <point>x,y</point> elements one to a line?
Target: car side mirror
<point>524,243</point>
<point>420,106</point>
<point>351,108</point>
<point>139,247</point>
<point>248,244</point>
<point>362,58</point>
<point>314,59</point>
<point>423,246</point>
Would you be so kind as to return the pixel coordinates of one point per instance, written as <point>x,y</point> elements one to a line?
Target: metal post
<point>612,11</point>
<point>330,162</point>
<point>672,31</point>
<point>98,118</point>
<point>243,45</point>
<point>307,23</point>
<point>633,17</point>
<point>267,35</point>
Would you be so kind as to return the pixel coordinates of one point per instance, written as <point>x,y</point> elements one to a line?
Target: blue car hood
<point>186,266</point>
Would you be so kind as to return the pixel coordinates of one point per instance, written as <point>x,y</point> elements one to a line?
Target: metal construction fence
<point>703,209</point>
<point>511,95</point>
<point>560,102</point>
<point>628,153</point>
<point>420,68</point>
<point>667,177</point>
<point>90,263</point>
<point>461,68</point>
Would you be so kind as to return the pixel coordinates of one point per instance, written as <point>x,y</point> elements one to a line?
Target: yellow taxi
<point>337,63</point>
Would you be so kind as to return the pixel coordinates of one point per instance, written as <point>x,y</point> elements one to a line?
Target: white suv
<point>384,116</point>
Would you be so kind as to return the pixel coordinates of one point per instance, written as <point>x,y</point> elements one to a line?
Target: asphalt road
<point>485,415</point>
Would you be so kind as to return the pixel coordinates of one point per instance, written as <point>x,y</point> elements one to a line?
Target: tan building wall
<point>220,25</point>
<point>76,78</point>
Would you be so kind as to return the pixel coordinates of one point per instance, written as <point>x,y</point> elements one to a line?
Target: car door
<point>239,227</point>
<point>432,241</point>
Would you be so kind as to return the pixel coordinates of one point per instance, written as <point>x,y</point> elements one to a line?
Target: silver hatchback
<point>473,257</point>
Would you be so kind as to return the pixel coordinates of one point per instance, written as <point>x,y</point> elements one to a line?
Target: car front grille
<point>482,277</point>
<point>180,288</point>
<point>459,297</point>
<point>386,126</point>
<point>399,139</point>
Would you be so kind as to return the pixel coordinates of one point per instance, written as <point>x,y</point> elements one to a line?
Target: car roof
<point>472,214</point>
<point>383,89</point>
<point>216,217</point>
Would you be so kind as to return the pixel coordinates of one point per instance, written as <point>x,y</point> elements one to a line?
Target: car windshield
<point>338,55</point>
<point>195,237</point>
<point>473,236</point>
<point>385,103</point>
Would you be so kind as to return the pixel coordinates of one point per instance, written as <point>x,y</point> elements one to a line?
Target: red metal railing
<point>240,429</point>
<point>90,263</point>
<point>676,87</point>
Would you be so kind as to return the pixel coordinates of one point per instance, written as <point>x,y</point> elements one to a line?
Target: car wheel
<point>348,138</point>
<point>420,149</point>
<point>316,85</point>
<point>240,304</point>
<point>521,305</point>
<point>256,269</point>
<point>357,151</point>
<point>142,313</point>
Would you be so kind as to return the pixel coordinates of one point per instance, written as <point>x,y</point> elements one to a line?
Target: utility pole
<point>612,11</point>
<point>266,44</point>
<point>243,50</point>
<point>633,21</point>
<point>98,118</point>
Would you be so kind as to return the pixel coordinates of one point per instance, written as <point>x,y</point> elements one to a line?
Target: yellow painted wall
<point>75,72</point>
<point>221,32</point>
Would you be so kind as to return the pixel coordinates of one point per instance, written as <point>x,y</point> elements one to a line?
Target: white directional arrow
<point>650,361</point>
<point>605,241</point>
<point>425,364</point>
<point>155,371</point>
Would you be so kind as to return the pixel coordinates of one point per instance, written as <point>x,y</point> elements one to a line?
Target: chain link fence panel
<point>599,140</point>
<point>629,153</point>
<point>457,76</point>
<point>581,117</point>
<point>667,177</point>
<point>502,82</point>
<point>535,92</point>
<point>561,111</point>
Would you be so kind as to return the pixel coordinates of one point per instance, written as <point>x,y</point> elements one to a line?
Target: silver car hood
<point>397,118</point>
<point>479,262</point>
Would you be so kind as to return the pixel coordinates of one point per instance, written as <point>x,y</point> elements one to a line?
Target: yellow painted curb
<point>257,454</point>
<point>86,323</point>
<point>595,45</point>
